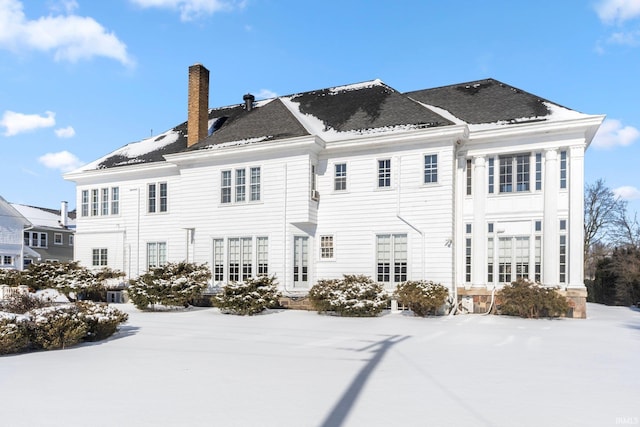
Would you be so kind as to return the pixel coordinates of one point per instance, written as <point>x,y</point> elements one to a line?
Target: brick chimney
<point>198,114</point>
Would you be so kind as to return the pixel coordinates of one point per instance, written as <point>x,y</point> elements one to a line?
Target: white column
<point>550,241</point>
<point>576,217</point>
<point>479,228</point>
<point>458,226</point>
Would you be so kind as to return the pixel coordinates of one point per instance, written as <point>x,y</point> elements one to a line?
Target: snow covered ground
<point>293,368</point>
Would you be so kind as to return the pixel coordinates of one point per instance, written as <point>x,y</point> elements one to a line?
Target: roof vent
<point>248,101</point>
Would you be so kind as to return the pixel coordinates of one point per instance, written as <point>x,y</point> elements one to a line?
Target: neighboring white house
<point>12,248</point>
<point>470,185</point>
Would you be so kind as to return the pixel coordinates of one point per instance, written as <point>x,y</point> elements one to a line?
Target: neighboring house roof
<point>348,111</point>
<point>44,217</point>
<point>8,210</point>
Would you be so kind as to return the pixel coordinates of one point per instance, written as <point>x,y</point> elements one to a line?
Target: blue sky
<point>80,78</point>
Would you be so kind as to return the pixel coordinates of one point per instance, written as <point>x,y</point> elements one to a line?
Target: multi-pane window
<point>538,259</point>
<point>156,254</point>
<point>340,177</point>
<point>563,169</point>
<point>94,202</point>
<point>490,172</point>
<point>99,257</point>
<point>104,201</point>
<point>538,171</point>
<point>313,181</point>
<point>469,172</point>
<point>519,163</point>
<point>391,250</point>
<point>84,203</point>
<point>225,187</point>
<point>43,240</point>
<point>57,238</point>
<point>262,254</point>
<point>326,247</point>
<point>255,184</point>
<point>430,168</point>
<point>70,239</point>
<point>563,258</point>
<point>157,197</point>
<point>490,260</point>
<point>35,239</point>
<point>234,259</point>
<point>504,259</point>
<point>522,257</point>
<point>241,185</point>
<point>115,201</point>
<point>7,260</point>
<point>467,254</point>
<point>384,173</point>
<point>247,258</point>
<point>218,260</point>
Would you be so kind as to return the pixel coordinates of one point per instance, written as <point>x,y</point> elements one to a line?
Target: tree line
<point>611,247</point>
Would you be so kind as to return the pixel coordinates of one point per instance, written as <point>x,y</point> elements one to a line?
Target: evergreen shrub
<point>527,299</point>
<point>102,320</point>
<point>14,335</point>
<point>57,327</point>
<point>422,297</point>
<point>249,297</point>
<point>171,285</point>
<point>351,296</point>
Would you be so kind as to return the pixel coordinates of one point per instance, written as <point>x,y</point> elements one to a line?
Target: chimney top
<point>248,101</point>
<point>198,104</point>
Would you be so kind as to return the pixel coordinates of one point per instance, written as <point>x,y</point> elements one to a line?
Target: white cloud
<point>627,192</point>
<point>63,161</point>
<point>612,133</point>
<point>16,123</point>
<point>628,38</point>
<point>266,94</point>
<point>191,9</point>
<point>68,132</point>
<point>617,11</point>
<point>69,37</point>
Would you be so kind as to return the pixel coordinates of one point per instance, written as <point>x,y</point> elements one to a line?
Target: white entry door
<point>300,261</point>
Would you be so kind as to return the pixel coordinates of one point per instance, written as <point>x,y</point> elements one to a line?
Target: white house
<point>471,185</point>
<point>13,251</point>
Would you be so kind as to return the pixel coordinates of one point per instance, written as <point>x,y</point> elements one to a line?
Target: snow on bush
<point>102,320</point>
<point>422,297</point>
<point>14,335</point>
<point>527,299</point>
<point>173,285</point>
<point>56,327</point>
<point>20,302</point>
<point>249,297</point>
<point>352,296</point>
<point>9,277</point>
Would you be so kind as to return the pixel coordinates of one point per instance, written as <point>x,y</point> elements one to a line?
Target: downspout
<point>284,232</point>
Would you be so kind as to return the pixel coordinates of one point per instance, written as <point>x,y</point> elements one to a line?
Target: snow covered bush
<point>57,327</point>
<point>173,285</point>
<point>249,297</point>
<point>9,277</point>
<point>422,297</point>
<point>352,296</point>
<point>102,320</point>
<point>14,335</point>
<point>21,302</point>
<point>527,299</point>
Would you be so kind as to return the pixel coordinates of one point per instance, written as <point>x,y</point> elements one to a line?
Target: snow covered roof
<point>347,112</point>
<point>43,217</point>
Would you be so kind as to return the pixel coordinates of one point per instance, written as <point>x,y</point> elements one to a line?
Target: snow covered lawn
<point>294,368</point>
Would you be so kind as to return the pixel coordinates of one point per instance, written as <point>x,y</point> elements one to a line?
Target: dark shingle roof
<point>484,101</point>
<point>358,108</point>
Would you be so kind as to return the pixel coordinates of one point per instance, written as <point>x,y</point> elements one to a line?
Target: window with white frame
<point>326,247</point>
<point>340,177</point>
<point>313,180</point>
<point>510,182</point>
<point>262,255</point>
<point>237,191</point>
<point>504,259</point>
<point>218,260</point>
<point>156,254</point>
<point>35,239</point>
<point>563,251</point>
<point>490,255</point>
<point>157,197</point>
<point>247,258</point>
<point>99,257</point>
<point>513,258</point>
<point>563,169</point>
<point>391,258</point>
<point>469,173</point>
<point>70,239</point>
<point>490,172</point>
<point>7,260</point>
<point>467,254</point>
<point>538,171</point>
<point>95,202</point>
<point>522,257</point>
<point>115,201</point>
<point>84,203</point>
<point>57,238</point>
<point>384,173</point>
<point>104,201</point>
<point>430,168</point>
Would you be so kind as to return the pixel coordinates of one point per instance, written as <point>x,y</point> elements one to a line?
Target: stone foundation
<point>480,299</point>
<point>296,303</point>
